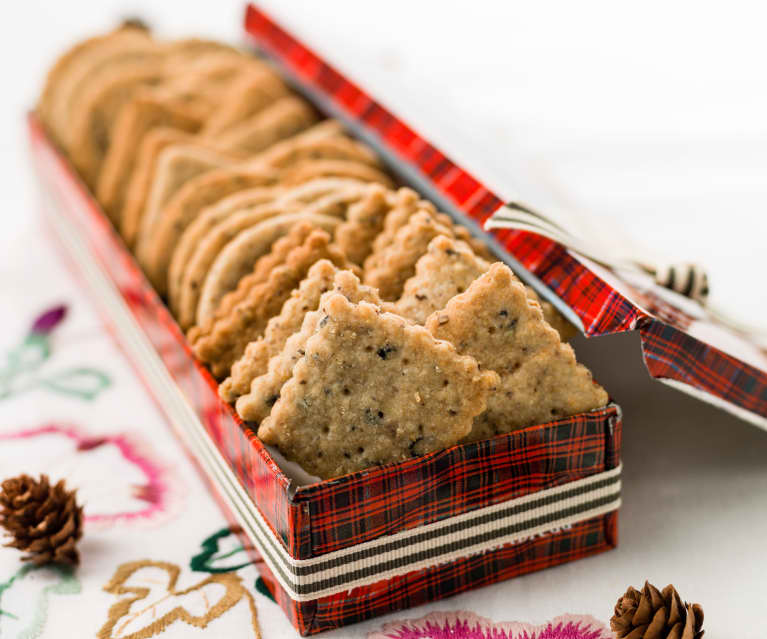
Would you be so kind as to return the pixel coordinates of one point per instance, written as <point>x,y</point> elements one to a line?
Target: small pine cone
<point>651,614</point>
<point>44,521</point>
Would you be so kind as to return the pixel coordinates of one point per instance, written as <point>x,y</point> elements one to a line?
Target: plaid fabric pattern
<point>427,489</point>
<point>601,308</point>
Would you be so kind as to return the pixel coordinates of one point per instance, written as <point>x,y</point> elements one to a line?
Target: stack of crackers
<point>345,318</point>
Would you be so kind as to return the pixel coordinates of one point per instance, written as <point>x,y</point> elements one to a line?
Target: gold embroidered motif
<point>151,585</point>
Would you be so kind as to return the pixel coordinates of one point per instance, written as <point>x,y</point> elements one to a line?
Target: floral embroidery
<point>117,479</point>
<point>28,593</point>
<point>208,560</point>
<point>21,372</point>
<point>467,625</point>
<point>153,602</point>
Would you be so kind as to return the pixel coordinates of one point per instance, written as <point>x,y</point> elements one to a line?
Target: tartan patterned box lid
<point>683,345</point>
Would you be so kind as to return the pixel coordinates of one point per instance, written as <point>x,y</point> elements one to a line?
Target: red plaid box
<point>344,550</point>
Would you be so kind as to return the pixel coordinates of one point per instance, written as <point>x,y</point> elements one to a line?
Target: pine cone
<point>650,614</point>
<point>44,521</point>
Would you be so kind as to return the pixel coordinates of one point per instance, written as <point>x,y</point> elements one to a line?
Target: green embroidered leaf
<point>85,383</point>
<point>35,584</point>
<point>27,356</point>
<point>205,560</point>
<point>261,587</point>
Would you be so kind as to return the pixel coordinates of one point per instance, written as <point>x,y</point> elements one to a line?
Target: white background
<point>635,115</point>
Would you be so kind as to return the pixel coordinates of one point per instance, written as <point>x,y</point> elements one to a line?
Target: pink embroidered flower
<point>467,625</point>
<point>118,479</point>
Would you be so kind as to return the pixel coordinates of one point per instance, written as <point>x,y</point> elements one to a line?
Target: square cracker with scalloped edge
<point>496,322</point>
<point>370,389</point>
<point>267,363</point>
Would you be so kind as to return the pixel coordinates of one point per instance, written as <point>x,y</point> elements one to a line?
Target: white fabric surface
<point>642,113</point>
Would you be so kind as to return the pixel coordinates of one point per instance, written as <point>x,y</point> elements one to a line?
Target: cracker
<point>338,202</point>
<point>89,64</point>
<point>245,96</point>
<point>237,258</point>
<point>204,82</point>
<point>92,123</point>
<point>556,320</point>
<point>313,169</point>
<point>131,211</point>
<point>282,119</point>
<point>322,142</point>
<point>58,73</point>
<point>136,118</point>
<point>259,272</point>
<point>206,221</point>
<point>183,207</point>
<point>370,390</point>
<point>365,221</point>
<point>177,165</point>
<point>205,255</point>
<point>389,269</point>
<point>316,189</point>
<point>268,362</point>
<point>189,51</point>
<point>408,203</point>
<point>218,236</point>
<point>447,269</point>
<point>255,360</point>
<point>229,336</point>
<point>496,322</point>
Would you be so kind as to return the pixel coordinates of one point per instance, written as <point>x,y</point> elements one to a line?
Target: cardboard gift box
<point>347,549</point>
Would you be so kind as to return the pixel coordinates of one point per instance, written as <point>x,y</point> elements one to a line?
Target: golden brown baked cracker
<point>556,320</point>
<point>389,269</point>
<point>176,166</point>
<point>237,258</point>
<point>88,64</point>
<point>94,118</point>
<point>447,269</point>
<point>268,362</point>
<point>210,247</point>
<point>137,190</point>
<point>63,65</point>
<point>259,270</point>
<point>408,203</point>
<point>203,82</point>
<point>281,119</point>
<point>255,359</point>
<point>184,206</point>
<point>313,169</point>
<point>205,222</point>
<point>365,221</point>
<point>245,96</point>
<point>322,142</point>
<point>229,336</point>
<point>498,324</point>
<point>370,390</point>
<point>136,118</point>
<point>225,230</point>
